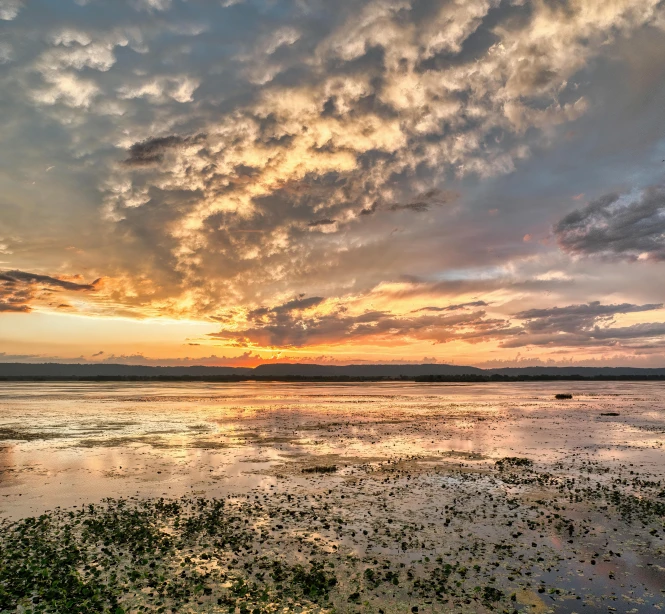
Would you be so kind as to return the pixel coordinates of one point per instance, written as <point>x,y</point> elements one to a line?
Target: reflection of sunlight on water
<point>7,465</point>
<point>90,440</point>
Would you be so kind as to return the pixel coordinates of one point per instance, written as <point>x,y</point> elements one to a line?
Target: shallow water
<point>66,443</point>
<point>403,450</point>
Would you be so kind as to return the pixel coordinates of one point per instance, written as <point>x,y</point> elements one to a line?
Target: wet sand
<point>364,498</point>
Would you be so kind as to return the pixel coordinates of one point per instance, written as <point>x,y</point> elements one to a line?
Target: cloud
<point>334,149</point>
<point>152,151</point>
<point>370,210</point>
<point>246,359</point>
<point>6,357</point>
<point>453,307</point>
<point>32,278</point>
<point>20,290</point>
<point>315,321</point>
<point>424,201</point>
<point>152,5</point>
<point>160,89</point>
<point>67,88</point>
<point>9,9</point>
<point>582,326</point>
<point>6,52</point>
<point>323,222</point>
<point>616,226</point>
<point>9,305</point>
<point>298,304</point>
<point>577,317</point>
<point>14,298</point>
<point>287,326</point>
<point>375,111</point>
<point>72,54</point>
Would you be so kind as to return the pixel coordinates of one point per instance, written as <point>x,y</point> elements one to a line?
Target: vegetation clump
<point>562,396</point>
<point>154,556</point>
<point>321,469</point>
<point>513,462</point>
<point>263,553</point>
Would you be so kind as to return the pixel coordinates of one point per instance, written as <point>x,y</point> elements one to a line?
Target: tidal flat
<point>384,497</point>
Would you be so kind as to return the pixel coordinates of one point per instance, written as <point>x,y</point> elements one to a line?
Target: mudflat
<point>383,497</point>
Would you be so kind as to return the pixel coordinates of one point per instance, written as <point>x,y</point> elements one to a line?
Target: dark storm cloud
<point>617,226</point>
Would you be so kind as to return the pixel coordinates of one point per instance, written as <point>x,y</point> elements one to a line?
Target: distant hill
<point>51,369</point>
<point>433,372</point>
<point>576,371</point>
<point>393,371</point>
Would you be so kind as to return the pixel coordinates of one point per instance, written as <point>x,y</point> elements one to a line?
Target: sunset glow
<point>230,183</point>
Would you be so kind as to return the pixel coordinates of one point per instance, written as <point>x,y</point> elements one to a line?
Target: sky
<point>231,182</point>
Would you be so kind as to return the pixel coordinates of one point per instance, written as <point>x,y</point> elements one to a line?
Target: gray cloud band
<point>617,226</point>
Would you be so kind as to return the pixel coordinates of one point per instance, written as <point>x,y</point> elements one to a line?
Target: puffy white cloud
<point>68,88</point>
<point>9,9</point>
<point>159,89</point>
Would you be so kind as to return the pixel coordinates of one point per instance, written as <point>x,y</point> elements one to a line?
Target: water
<point>403,451</point>
<point>67,443</point>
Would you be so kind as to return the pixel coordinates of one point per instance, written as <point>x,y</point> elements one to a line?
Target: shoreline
<point>470,379</point>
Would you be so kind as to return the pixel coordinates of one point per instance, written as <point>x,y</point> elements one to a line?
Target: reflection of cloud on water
<point>185,431</point>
